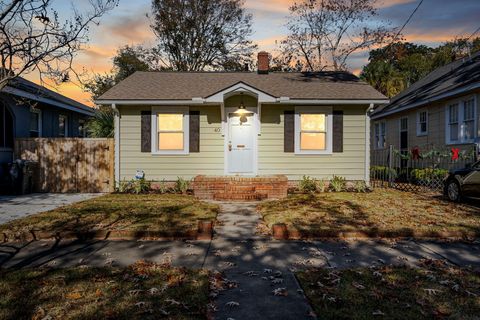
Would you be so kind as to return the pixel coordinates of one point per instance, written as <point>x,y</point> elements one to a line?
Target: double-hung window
<point>461,122</point>
<point>453,122</point>
<point>313,130</point>
<point>422,123</point>
<point>380,135</point>
<point>171,131</point>
<point>35,123</point>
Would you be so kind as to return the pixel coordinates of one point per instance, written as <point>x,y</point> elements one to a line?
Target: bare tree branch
<point>323,34</point>
<point>33,38</point>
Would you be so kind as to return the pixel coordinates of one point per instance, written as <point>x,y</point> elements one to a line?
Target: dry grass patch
<point>433,291</point>
<point>142,291</point>
<point>381,213</point>
<point>152,212</point>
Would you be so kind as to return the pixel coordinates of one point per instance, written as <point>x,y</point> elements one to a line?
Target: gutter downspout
<point>117,144</point>
<point>367,144</point>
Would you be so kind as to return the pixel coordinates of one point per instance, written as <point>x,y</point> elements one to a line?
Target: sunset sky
<point>435,22</point>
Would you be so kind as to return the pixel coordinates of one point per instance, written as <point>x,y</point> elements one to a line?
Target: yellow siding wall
<point>349,164</point>
<point>208,161</point>
<point>271,158</point>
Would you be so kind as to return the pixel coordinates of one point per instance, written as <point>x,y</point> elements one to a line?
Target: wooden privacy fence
<point>69,164</point>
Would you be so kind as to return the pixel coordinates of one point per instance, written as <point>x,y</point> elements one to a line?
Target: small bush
<point>360,186</point>
<point>141,186</point>
<point>321,185</point>
<point>307,185</point>
<point>182,185</point>
<point>123,186</point>
<point>162,187</point>
<point>338,183</point>
<point>428,175</point>
<point>382,173</point>
<point>134,186</point>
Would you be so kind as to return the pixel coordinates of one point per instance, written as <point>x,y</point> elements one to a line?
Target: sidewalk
<point>255,265</point>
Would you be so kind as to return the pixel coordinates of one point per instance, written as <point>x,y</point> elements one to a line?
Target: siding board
<point>271,156</point>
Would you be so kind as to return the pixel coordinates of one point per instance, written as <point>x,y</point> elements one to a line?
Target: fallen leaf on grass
<point>232,304</point>
<point>378,313</point>
<point>280,292</point>
<point>73,296</point>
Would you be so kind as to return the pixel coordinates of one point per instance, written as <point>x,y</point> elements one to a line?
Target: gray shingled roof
<point>42,92</point>
<point>454,76</point>
<point>188,85</point>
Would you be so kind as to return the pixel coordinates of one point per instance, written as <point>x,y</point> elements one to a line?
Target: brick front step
<point>255,196</point>
<point>235,188</point>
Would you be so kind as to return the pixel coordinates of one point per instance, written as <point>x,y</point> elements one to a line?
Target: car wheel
<point>453,191</point>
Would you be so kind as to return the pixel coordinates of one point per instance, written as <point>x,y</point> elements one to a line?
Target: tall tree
<point>395,67</point>
<point>127,60</point>
<point>195,35</point>
<point>32,37</point>
<point>323,34</point>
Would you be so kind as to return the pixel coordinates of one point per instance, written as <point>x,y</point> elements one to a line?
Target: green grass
<point>381,213</point>
<point>153,212</point>
<point>141,291</point>
<point>394,292</point>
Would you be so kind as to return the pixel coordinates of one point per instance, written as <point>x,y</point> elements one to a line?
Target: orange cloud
<point>131,28</point>
<point>391,3</point>
<point>279,6</point>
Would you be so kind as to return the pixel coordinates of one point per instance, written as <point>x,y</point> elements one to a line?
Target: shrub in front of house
<point>308,185</point>
<point>182,185</point>
<point>136,186</point>
<point>338,184</point>
<point>360,187</point>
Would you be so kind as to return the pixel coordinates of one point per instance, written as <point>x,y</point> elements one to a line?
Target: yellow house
<point>248,124</point>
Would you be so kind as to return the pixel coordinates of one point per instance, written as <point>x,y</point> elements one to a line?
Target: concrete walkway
<point>254,266</point>
<point>16,207</point>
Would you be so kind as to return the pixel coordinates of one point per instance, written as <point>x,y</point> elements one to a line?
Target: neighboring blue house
<point>30,110</point>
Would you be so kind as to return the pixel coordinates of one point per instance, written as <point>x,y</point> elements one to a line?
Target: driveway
<point>15,207</point>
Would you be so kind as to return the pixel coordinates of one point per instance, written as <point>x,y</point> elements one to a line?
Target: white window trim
<point>419,127</point>
<point>39,112</point>
<point>65,129</point>
<point>461,117</point>
<point>376,147</point>
<point>186,130</point>
<point>328,111</point>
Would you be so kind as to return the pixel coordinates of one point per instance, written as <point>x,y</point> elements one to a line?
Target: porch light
<point>241,109</point>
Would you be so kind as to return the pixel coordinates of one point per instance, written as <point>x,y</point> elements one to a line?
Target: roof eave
<point>31,96</point>
<point>426,101</point>
<point>196,101</point>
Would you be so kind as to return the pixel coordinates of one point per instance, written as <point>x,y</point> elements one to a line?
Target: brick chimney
<point>263,60</point>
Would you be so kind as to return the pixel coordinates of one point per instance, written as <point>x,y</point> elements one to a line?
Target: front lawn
<point>142,291</point>
<point>167,213</point>
<point>381,213</point>
<point>433,291</point>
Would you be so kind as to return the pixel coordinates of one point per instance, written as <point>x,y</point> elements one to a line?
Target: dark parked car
<point>463,182</point>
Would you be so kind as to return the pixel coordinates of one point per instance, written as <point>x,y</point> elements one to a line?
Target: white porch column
<point>222,118</point>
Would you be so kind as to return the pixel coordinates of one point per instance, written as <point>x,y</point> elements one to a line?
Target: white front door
<point>241,143</point>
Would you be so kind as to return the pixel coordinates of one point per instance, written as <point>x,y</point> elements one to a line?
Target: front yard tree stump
<point>205,230</point>
<point>280,231</point>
